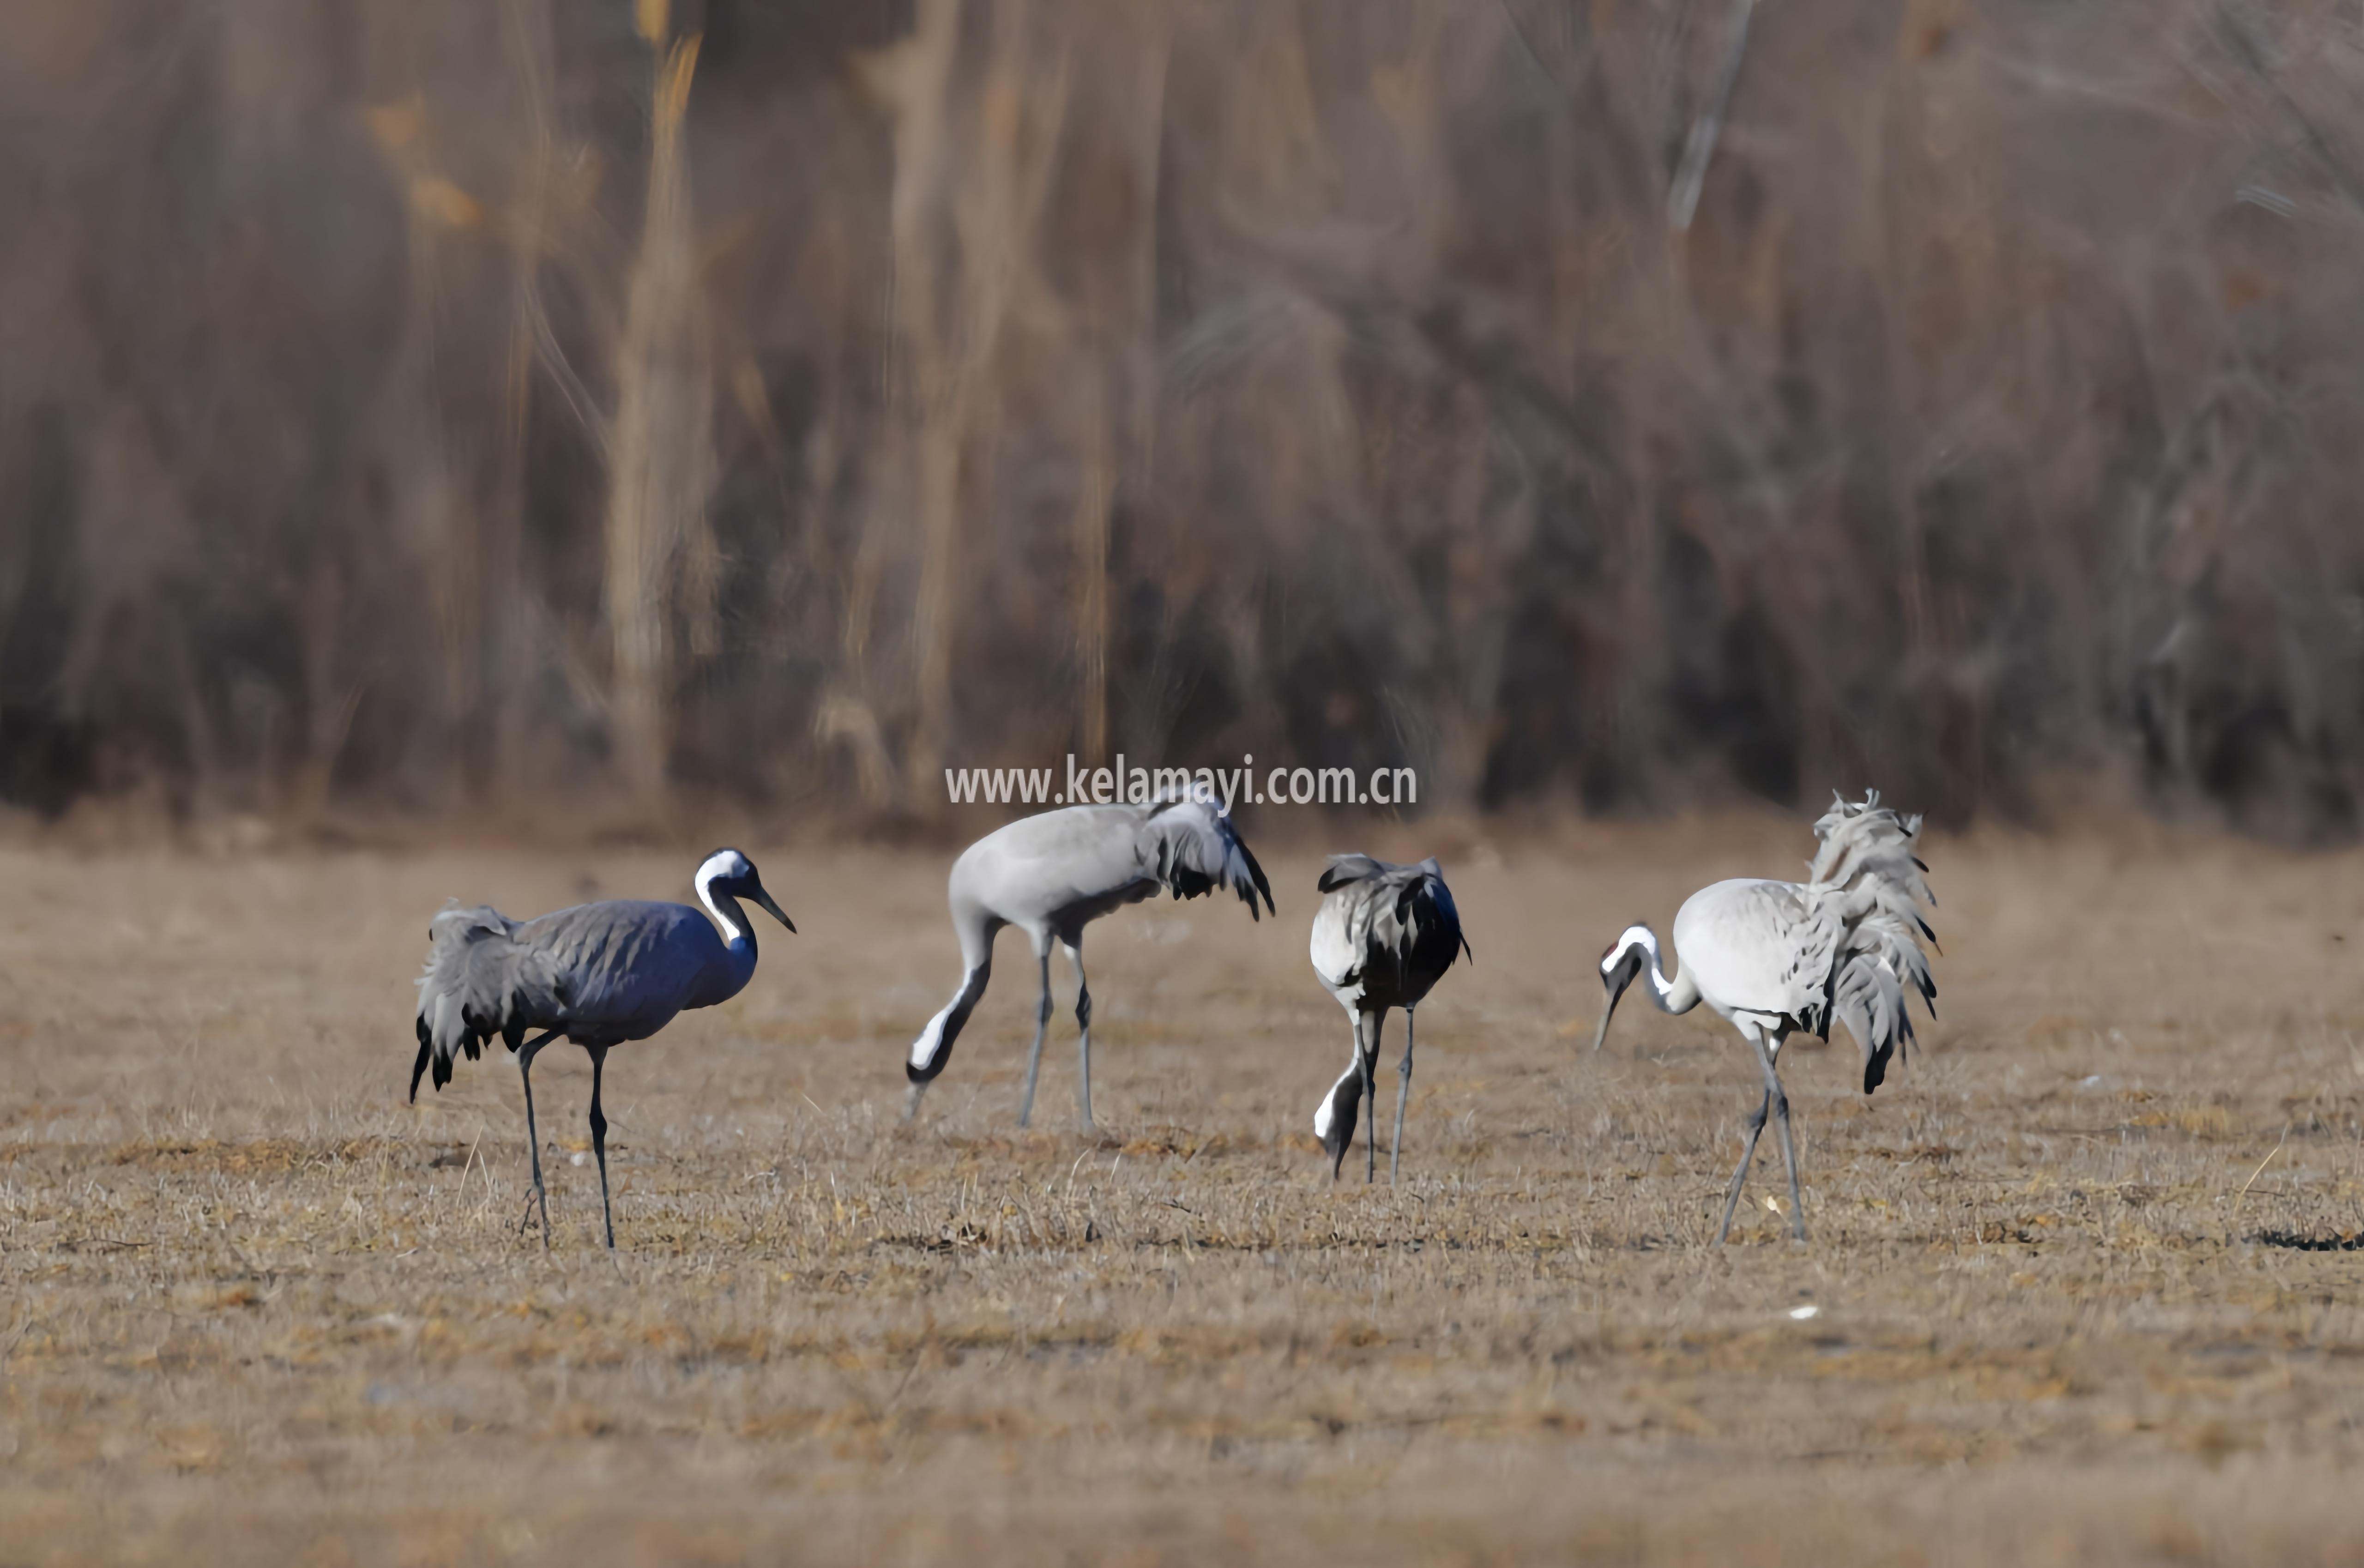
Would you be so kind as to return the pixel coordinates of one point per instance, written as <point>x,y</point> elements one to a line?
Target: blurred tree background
<point>430,406</point>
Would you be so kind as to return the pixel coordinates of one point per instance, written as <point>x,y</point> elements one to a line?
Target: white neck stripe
<point>722,909</point>
<point>1647,941</point>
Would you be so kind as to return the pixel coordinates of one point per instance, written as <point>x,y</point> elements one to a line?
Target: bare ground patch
<point>2081,1287</point>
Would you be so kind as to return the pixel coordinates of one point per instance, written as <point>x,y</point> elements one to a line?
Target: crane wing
<point>480,980</point>
<point>1869,886</point>
<point>1401,918</point>
<point>1754,947</point>
<point>628,966</point>
<point>1196,851</point>
<point>1337,953</point>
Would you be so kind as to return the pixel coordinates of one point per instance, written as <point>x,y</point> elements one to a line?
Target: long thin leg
<point>599,1139</point>
<point>526,1053</point>
<point>1740,1172</point>
<point>1371,1097</point>
<point>1403,1093</point>
<point>1781,1101</point>
<point>1083,1022</point>
<point>1034,1054</point>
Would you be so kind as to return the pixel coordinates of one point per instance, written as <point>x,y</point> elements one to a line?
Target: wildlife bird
<point>1778,958</point>
<point>598,974</point>
<point>1384,935</point>
<point>1052,874</point>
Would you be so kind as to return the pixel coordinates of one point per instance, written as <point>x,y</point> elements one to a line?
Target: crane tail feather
<point>1196,850</point>
<point>480,980</point>
<point>1867,889</point>
<point>1255,872</point>
<point>1399,917</point>
<point>426,1055</point>
<point>1874,1068</point>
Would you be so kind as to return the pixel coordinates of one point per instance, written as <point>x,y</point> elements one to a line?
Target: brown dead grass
<point>258,1308</point>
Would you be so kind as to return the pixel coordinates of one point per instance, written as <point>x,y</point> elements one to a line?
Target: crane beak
<point>1615,982</point>
<point>765,900</point>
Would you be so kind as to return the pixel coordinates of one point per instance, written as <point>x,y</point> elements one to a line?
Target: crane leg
<point>1034,1054</point>
<point>1780,1103</point>
<point>526,1053</point>
<point>1740,1172</point>
<point>1371,1097</point>
<point>1403,1093</point>
<point>1789,1153</point>
<point>1083,1022</point>
<point>599,1139</point>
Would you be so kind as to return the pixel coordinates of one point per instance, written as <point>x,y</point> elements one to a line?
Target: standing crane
<point>1052,874</point>
<point>1384,936</point>
<point>1778,958</point>
<point>598,974</point>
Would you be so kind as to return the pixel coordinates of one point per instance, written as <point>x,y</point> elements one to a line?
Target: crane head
<point>1620,964</point>
<point>1333,1119</point>
<point>732,874</point>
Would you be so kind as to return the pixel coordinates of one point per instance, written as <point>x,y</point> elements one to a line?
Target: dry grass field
<point>258,1308</point>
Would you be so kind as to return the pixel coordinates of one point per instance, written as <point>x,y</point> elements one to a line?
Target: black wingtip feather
<point>418,1068</point>
<point>1261,886</point>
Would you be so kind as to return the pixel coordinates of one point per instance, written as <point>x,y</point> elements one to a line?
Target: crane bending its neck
<point>1636,952</point>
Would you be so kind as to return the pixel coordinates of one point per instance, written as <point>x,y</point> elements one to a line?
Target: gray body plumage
<point>599,974</point>
<point>1052,874</point>
<point>1382,937</point>
<point>1779,958</point>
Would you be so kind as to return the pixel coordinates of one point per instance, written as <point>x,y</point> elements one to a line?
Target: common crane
<point>1778,958</point>
<point>1384,936</point>
<point>1052,874</point>
<point>598,974</point>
